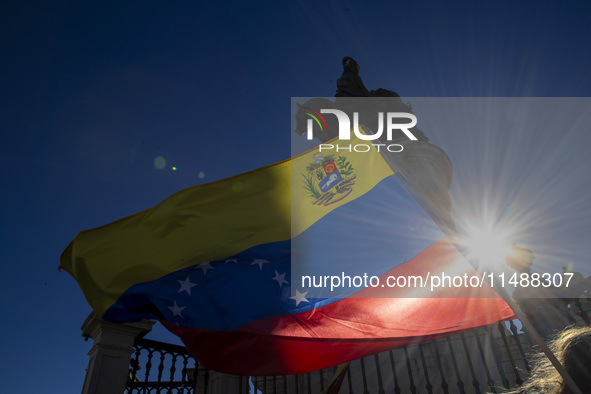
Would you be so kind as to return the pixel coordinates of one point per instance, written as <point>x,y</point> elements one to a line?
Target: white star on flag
<point>259,262</point>
<point>300,297</point>
<point>176,310</point>
<point>280,279</point>
<point>186,285</point>
<point>204,267</point>
<point>230,261</point>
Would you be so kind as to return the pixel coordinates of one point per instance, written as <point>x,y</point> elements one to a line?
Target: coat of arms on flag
<point>329,178</point>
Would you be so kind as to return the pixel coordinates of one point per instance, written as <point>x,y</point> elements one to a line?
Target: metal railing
<point>157,367</point>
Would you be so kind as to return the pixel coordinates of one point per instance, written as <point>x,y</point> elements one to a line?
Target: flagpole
<point>451,232</point>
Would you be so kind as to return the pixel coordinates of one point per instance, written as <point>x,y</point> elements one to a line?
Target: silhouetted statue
<point>350,84</point>
<point>350,88</point>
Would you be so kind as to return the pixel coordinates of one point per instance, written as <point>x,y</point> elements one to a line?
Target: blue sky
<point>93,93</point>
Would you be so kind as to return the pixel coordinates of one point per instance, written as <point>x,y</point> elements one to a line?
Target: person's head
<point>572,347</point>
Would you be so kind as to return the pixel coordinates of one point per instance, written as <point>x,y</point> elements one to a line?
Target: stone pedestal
<point>108,366</point>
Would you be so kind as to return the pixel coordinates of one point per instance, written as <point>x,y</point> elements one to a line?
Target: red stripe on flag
<point>353,327</point>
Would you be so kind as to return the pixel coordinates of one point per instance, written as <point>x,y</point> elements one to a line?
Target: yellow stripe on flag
<point>205,223</point>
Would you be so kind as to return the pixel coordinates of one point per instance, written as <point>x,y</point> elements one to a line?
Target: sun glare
<point>487,245</point>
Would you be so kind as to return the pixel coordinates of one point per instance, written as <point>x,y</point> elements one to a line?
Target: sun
<point>488,245</point>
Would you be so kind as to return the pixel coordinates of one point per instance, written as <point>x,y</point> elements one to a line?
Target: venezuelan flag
<point>225,266</point>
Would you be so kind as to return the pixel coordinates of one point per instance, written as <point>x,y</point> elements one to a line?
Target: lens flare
<point>159,162</point>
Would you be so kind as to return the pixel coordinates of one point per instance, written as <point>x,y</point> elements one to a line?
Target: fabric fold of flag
<point>237,268</point>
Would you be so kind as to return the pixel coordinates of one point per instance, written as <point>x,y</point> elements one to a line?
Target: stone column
<point>201,378</point>
<point>110,354</point>
<point>222,383</point>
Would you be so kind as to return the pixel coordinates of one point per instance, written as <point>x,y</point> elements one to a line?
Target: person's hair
<point>572,347</point>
